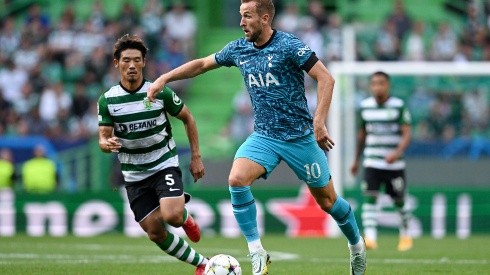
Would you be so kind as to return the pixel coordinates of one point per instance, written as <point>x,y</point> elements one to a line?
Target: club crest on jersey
<point>147,103</point>
<point>261,81</point>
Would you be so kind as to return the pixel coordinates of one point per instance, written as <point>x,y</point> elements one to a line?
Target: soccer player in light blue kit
<point>272,64</point>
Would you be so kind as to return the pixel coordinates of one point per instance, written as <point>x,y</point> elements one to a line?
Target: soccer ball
<point>223,265</point>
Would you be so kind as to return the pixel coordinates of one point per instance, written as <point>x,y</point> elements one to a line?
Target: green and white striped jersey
<point>142,128</point>
<point>383,127</point>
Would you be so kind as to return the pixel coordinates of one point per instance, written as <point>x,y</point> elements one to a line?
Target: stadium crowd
<point>53,70</point>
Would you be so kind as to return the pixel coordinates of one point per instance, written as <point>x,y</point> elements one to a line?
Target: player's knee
<point>156,235</point>
<point>174,219</point>
<point>327,204</point>
<point>237,180</point>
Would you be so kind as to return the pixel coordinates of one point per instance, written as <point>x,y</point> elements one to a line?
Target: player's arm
<point>324,97</point>
<point>360,143</point>
<point>406,136</point>
<point>188,70</point>
<point>196,165</point>
<point>107,142</point>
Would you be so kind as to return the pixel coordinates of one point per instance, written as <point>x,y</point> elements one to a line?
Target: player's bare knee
<point>174,219</point>
<point>326,204</point>
<point>236,180</point>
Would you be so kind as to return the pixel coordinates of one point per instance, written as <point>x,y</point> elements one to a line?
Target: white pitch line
<point>408,261</point>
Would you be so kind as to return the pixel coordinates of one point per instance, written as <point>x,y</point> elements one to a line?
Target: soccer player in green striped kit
<point>140,133</point>
<point>384,134</point>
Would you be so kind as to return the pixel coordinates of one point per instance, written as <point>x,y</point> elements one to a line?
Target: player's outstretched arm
<point>196,166</point>
<point>324,97</point>
<point>188,70</point>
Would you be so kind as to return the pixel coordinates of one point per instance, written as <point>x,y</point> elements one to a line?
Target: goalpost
<point>341,121</point>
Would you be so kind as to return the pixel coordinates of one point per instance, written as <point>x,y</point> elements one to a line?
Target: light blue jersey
<point>273,74</point>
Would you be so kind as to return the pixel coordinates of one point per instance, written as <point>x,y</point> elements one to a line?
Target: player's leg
<point>252,161</point>
<point>169,187</point>
<point>144,203</point>
<point>370,188</point>
<point>309,163</point>
<point>170,243</point>
<point>397,191</point>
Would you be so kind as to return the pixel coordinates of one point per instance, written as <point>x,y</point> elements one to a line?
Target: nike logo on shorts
<point>173,189</point>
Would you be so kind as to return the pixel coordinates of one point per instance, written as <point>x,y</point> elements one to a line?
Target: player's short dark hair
<point>263,7</point>
<point>381,73</point>
<point>129,42</point>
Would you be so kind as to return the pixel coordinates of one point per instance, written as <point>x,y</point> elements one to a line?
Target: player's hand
<point>113,144</point>
<point>155,88</point>
<point>196,168</point>
<point>354,168</point>
<point>323,138</point>
<point>392,157</point>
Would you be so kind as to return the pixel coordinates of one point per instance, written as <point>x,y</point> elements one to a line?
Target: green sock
<point>180,249</point>
<point>185,214</point>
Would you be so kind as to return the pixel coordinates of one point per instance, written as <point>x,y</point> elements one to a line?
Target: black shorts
<point>393,181</point>
<point>144,196</point>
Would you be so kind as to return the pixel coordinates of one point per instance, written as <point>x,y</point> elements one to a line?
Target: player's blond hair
<point>264,7</point>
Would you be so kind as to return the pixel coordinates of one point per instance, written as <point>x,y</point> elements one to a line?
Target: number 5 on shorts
<point>169,180</point>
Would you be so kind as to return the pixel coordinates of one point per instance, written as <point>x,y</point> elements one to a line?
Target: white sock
<point>254,246</point>
<point>358,247</point>
<point>371,233</point>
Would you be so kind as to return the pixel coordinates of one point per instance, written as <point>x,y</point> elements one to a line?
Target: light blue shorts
<point>302,155</point>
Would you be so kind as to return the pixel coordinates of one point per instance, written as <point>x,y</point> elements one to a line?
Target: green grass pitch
<point>118,254</point>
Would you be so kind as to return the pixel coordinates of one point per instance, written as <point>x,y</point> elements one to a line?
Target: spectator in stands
<point>88,39</point>
<point>35,14</point>
<point>97,16</point>
<point>400,19</point>
<point>27,55</point>
<point>5,110</point>
<point>444,44</point>
<point>128,18</point>
<point>333,38</point>
<point>54,100</point>
<point>181,25</point>
<point>39,173</point>
<point>289,19</point>
<point>12,78</point>
<point>27,101</point>
<point>414,44</point>
<point>464,53</point>
<point>316,10</point>
<point>9,39</point>
<point>60,41</point>
<point>7,169</point>
<point>387,43</point>
<point>152,22</point>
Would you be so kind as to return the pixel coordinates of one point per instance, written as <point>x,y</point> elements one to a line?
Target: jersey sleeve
<point>301,53</point>
<point>103,114</point>
<point>406,117</point>
<point>360,123</point>
<point>172,103</point>
<point>224,57</point>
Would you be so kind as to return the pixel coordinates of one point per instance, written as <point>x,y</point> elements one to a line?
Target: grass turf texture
<point>117,254</point>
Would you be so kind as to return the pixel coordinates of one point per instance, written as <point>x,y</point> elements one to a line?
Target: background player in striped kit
<point>384,134</point>
<point>140,132</point>
<point>273,64</point>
